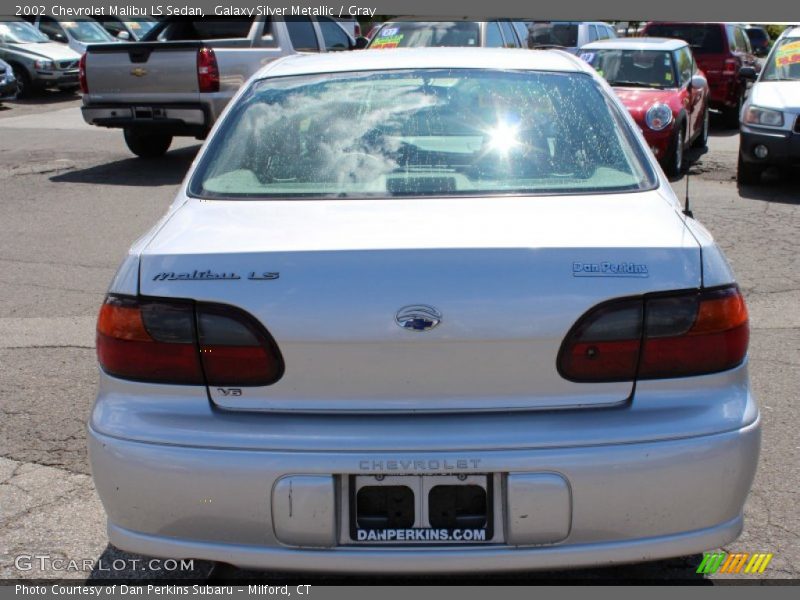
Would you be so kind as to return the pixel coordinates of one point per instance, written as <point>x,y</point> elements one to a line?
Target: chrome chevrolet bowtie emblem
<point>138,72</point>
<point>418,317</point>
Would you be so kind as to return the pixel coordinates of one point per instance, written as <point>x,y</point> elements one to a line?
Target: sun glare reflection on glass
<point>503,137</point>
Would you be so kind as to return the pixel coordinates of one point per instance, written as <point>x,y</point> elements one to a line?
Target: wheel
<point>701,141</point>
<point>731,115</point>
<point>24,84</point>
<point>673,165</point>
<point>747,173</point>
<point>147,145</point>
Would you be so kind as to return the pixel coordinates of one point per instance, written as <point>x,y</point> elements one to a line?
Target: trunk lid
<point>503,273</point>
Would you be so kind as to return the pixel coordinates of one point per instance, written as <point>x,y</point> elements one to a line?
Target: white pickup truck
<point>177,81</point>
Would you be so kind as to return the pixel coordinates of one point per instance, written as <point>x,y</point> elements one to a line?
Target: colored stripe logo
<point>734,563</point>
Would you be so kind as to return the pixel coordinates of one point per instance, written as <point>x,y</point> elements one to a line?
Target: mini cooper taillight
<point>184,342</point>
<point>658,337</point>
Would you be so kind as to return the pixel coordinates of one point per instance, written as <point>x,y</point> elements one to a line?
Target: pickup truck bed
<point>155,90</point>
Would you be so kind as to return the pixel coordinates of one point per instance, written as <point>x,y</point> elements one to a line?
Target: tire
<point>24,83</point>
<point>147,145</point>
<point>674,162</point>
<point>731,115</point>
<point>747,173</point>
<point>701,141</point>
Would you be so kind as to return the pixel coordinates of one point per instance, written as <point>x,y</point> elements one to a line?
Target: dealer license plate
<point>420,509</point>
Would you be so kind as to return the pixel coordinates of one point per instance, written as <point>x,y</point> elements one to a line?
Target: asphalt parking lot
<point>72,199</point>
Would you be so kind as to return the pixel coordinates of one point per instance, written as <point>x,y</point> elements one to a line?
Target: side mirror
<point>697,81</point>
<point>748,73</point>
<point>124,36</point>
<point>59,37</point>
<point>361,42</point>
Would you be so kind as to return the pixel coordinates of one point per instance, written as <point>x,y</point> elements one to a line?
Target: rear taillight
<point>182,342</point>
<point>731,67</point>
<point>234,349</point>
<point>82,74</point>
<point>658,337</point>
<point>207,70</point>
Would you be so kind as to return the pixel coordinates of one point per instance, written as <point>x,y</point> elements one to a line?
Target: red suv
<point>721,49</point>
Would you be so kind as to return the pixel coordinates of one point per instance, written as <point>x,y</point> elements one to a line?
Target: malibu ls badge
<point>209,275</point>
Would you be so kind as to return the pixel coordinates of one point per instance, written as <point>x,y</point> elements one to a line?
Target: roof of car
<point>792,32</point>
<point>425,58</point>
<point>430,19</point>
<point>638,43</point>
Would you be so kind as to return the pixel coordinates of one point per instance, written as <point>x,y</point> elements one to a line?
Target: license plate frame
<point>421,532</point>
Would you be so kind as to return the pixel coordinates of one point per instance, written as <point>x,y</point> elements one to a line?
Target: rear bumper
<point>177,119</point>
<point>783,147</point>
<point>380,561</point>
<point>628,502</point>
<point>724,93</point>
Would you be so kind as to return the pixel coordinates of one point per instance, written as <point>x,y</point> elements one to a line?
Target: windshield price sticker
<point>788,55</point>
<point>388,42</point>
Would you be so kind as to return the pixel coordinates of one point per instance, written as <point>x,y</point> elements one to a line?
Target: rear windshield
<point>553,34</point>
<point>141,25</point>
<point>703,39</point>
<point>422,133</point>
<point>756,34</point>
<point>408,34</point>
<point>634,68</point>
<point>207,28</point>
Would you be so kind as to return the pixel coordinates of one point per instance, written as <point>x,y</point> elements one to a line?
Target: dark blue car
<point>8,83</point>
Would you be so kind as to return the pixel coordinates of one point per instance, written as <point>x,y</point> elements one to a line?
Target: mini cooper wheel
<point>747,173</point>
<point>673,166</point>
<point>146,144</point>
<point>701,141</point>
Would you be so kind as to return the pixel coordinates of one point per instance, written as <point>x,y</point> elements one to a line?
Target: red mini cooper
<point>667,95</point>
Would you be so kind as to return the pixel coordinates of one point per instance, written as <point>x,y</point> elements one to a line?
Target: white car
<point>770,118</point>
<point>78,34</point>
<point>424,310</point>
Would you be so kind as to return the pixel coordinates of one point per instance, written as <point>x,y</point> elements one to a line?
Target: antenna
<point>686,206</point>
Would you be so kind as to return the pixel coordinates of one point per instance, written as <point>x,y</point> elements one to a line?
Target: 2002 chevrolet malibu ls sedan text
<point>426,311</point>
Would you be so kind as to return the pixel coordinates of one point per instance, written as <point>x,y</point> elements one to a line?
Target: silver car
<point>567,35</point>
<point>424,310</point>
<point>36,61</point>
<point>78,34</point>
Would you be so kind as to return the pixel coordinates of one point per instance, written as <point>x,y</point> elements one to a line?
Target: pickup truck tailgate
<point>142,69</point>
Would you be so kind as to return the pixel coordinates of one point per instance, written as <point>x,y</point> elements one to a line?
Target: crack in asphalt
<point>55,287</point>
<point>48,346</point>
<point>51,263</point>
